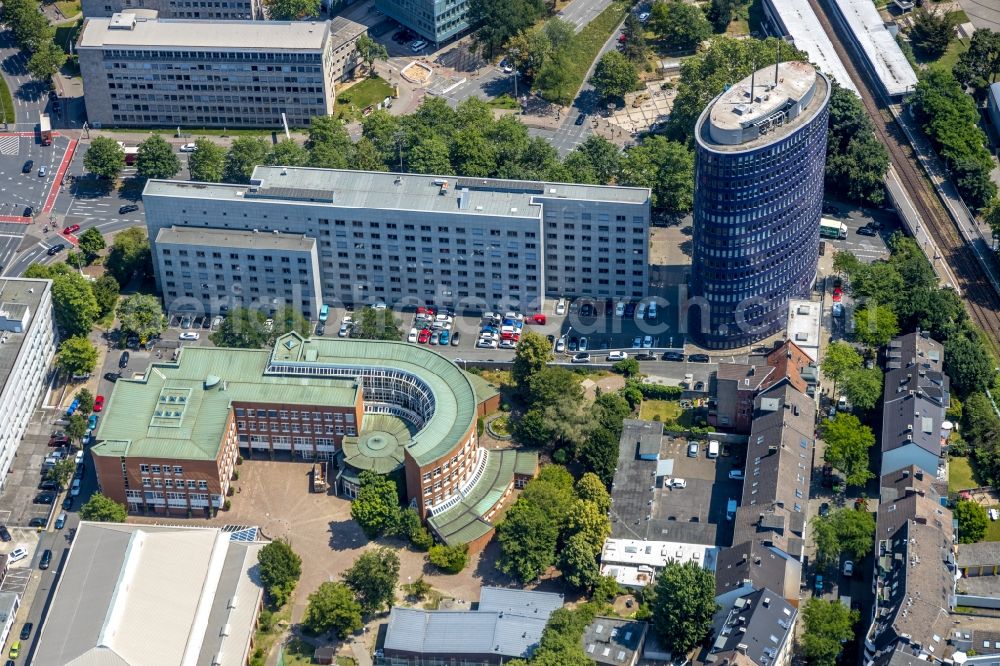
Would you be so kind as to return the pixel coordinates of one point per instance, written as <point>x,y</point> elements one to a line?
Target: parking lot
<point>865,248</point>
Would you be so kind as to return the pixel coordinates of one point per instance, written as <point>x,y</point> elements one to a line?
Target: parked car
<point>620,309</point>
<point>188,148</point>
<point>44,498</point>
<point>26,630</point>
<point>189,335</point>
<point>645,356</point>
<point>28,166</point>
<point>647,342</point>
<point>560,345</point>
<point>848,568</point>
<point>418,46</point>
<point>61,520</point>
<point>4,534</point>
<point>411,337</point>
<point>699,358</point>
<point>818,584</point>
<point>42,171</point>
<point>561,307</point>
<point>17,554</point>
<point>838,310</point>
<point>867,231</point>
<point>617,356</point>
<point>443,340</point>
<point>75,488</point>
<point>123,359</point>
<point>580,119</point>
<point>692,450</point>
<point>98,403</point>
<point>424,336</point>
<point>582,357</point>
<point>677,483</point>
<point>673,356</point>
<point>736,474</point>
<point>112,376</point>
<point>584,343</point>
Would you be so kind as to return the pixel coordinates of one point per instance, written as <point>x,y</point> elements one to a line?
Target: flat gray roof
<point>800,23</point>
<point>16,294</point>
<point>880,48</point>
<point>389,191</point>
<point>343,29</point>
<point>205,35</point>
<point>204,238</point>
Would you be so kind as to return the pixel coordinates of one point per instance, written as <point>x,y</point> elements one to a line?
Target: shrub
<point>449,559</point>
<point>421,539</point>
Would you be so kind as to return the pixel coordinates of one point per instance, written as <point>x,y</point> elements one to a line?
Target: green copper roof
<point>455,398</point>
<point>179,409</point>
<point>379,446</point>
<point>465,521</point>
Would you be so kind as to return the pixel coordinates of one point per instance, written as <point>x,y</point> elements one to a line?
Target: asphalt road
<point>30,95</point>
<point>582,12</point>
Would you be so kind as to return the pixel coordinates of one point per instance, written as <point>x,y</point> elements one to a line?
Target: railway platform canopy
<point>881,53</point>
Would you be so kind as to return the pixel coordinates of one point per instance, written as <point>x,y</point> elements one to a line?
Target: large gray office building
<point>170,72</point>
<point>435,20</point>
<point>235,10</point>
<point>360,237</point>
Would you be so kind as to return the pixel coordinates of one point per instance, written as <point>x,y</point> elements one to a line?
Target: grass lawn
<point>738,27</point>
<point>667,410</point>
<point>950,57</point>
<point>960,475</point>
<point>6,103</point>
<point>583,50</point>
<point>298,652</point>
<point>346,661</point>
<point>504,101</point>
<point>68,8</point>
<point>992,530</point>
<point>66,32</point>
<point>353,101</point>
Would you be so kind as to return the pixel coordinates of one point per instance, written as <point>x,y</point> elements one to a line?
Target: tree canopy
<point>77,355</point>
<point>376,508</point>
<point>291,10</point>
<point>243,328</point>
<point>683,605</point>
<point>828,626</point>
<point>332,607</point>
<point>104,158</point>
<point>495,22</point>
<point>931,32</point>
<point>847,443</point>
<point>847,530</point>
<point>102,509</point>
<point>156,159</point>
<point>141,315</point>
<point>244,154</point>
<point>280,569</point>
<point>614,76</point>
<point>208,161</point>
<point>972,522</point>
<point>680,25</point>
<point>856,161</point>
<point>373,578</point>
<point>376,324</point>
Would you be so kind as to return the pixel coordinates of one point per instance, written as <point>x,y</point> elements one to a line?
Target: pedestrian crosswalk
<point>9,145</point>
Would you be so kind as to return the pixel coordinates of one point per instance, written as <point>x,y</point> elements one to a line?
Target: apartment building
<point>168,441</point>
<point>27,344</point>
<point>408,238</point>
<point>757,630</point>
<point>170,72</point>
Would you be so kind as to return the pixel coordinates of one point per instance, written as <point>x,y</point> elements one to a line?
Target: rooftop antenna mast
<point>753,75</point>
<point>777,60</point>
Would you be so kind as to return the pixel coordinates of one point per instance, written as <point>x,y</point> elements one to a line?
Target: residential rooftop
<point>20,300</point>
<point>336,188</point>
<point>757,625</point>
<point>126,30</point>
<point>613,640</point>
<point>230,238</point>
<point>124,591</point>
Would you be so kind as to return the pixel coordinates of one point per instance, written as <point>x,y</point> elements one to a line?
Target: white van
<point>713,448</point>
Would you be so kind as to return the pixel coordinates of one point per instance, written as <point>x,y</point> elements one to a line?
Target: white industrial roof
<point>657,554</point>
<point>803,326</point>
<point>879,47</point>
<point>800,24</point>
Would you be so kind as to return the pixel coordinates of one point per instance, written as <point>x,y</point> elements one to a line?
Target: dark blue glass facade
<point>756,230</point>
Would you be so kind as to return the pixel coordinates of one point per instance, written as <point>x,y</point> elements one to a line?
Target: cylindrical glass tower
<point>757,205</point>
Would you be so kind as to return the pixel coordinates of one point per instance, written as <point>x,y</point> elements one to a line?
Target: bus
<point>324,312</point>
<point>832,228</point>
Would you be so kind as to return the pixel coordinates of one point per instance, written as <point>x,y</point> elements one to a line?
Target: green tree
<point>666,167</point>
<point>533,353</point>
<point>369,51</point>
<point>971,517</point>
<point>373,578</point>
<point>720,14</point>
<point>847,443</point>
<point>590,489</point>
<point>365,157</point>
<point>824,536</point>
<point>863,388</point>
<point>62,471</point>
<point>243,328</point>
<point>77,356</point>
<point>496,21</point>
<point>85,400</point>
<point>578,563</point>
<point>332,607</point>
<point>376,508</point>
<point>73,303</point>
<point>529,50</point>
<point>287,153</point>
<point>288,319</point>
<point>431,155</point>
<point>527,537</point>
<point>681,26</point>
<point>280,570</point>
<point>102,509</point>
<point>129,255</point>
<point>629,367</point>
<point>106,292</point>
<point>46,61</point>
<point>978,66</point>
<point>141,315</point>
<point>291,10</point>
<point>931,32</point>
<point>76,428</point>
<point>91,242</point>
<point>855,528</point>
<point>683,605</point>
<point>245,153</point>
<point>875,325</point>
<point>602,157</point>
<point>856,161</point>
<point>600,454</point>
<point>555,79</point>
<point>968,361</point>
<point>376,324</point>
<point>207,163</point>
<point>828,626</point>
<point>614,76</point>
<point>841,359</point>
<point>156,159</point>
<point>449,559</point>
<point>104,158</point>
<point>634,47</point>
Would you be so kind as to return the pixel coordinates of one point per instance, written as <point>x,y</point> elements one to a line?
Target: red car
<point>424,336</point>
<point>98,403</point>
<point>838,293</point>
<point>539,319</point>
<point>71,229</point>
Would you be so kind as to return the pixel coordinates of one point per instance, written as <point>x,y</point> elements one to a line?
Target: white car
<point>487,343</point>
<point>640,312</point>
<point>508,344</point>
<point>583,344</point>
<point>486,335</point>
<point>79,457</point>
<point>736,474</point>
<point>345,328</point>
<point>75,488</point>
<point>651,314</point>
<point>379,306</point>
<point>561,307</point>
<point>647,342</point>
<point>620,309</point>
<point>636,342</point>
<point>583,357</point>
<point>443,318</point>
<point>677,483</point>
<point>188,148</point>
<point>412,337</point>
<point>848,568</point>
<point>643,17</point>
<point>617,356</point>
<point>189,335</point>
<point>560,345</point>
<point>18,553</point>
<point>418,46</point>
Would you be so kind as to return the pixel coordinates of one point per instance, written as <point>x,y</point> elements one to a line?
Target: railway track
<point>982,301</point>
